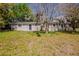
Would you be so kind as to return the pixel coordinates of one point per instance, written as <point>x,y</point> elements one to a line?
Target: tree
<point>13,12</point>
<point>2,23</point>
<point>71,12</point>
<point>46,12</point>
<point>20,12</point>
<point>4,14</point>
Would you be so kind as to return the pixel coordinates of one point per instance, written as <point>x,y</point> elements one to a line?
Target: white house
<point>34,26</point>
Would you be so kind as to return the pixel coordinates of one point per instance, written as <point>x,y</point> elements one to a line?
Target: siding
<point>53,28</point>
<point>38,27</point>
<point>26,27</point>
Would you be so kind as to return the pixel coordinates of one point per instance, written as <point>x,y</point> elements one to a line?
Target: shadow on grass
<point>71,32</point>
<point>6,30</point>
<point>50,32</point>
<point>39,33</point>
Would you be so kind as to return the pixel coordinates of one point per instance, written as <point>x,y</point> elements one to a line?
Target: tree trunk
<point>47,27</point>
<point>74,29</point>
<point>73,25</point>
<point>0,28</point>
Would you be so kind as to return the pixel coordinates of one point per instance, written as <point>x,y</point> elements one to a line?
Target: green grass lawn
<point>21,43</point>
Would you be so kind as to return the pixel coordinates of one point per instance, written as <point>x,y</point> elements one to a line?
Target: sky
<point>57,13</point>
<point>36,7</point>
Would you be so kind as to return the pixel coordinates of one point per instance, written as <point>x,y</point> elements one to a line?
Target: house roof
<point>49,22</point>
<point>27,23</point>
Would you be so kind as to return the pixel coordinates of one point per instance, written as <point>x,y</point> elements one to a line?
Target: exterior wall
<point>53,28</point>
<point>22,27</point>
<point>26,27</point>
<point>37,27</point>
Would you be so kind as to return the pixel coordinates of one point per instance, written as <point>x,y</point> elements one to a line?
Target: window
<point>54,25</point>
<point>19,25</point>
<point>30,26</point>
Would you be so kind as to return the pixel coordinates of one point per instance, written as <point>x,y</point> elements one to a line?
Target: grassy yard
<point>29,43</point>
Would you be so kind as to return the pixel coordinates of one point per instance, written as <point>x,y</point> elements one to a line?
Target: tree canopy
<point>71,13</point>
<point>12,12</point>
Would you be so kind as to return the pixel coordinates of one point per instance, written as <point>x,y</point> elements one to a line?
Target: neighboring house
<point>34,26</point>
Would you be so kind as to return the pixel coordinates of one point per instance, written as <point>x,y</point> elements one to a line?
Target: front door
<point>30,27</point>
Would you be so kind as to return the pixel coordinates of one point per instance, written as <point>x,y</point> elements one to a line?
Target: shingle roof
<point>27,23</point>
<point>49,22</point>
